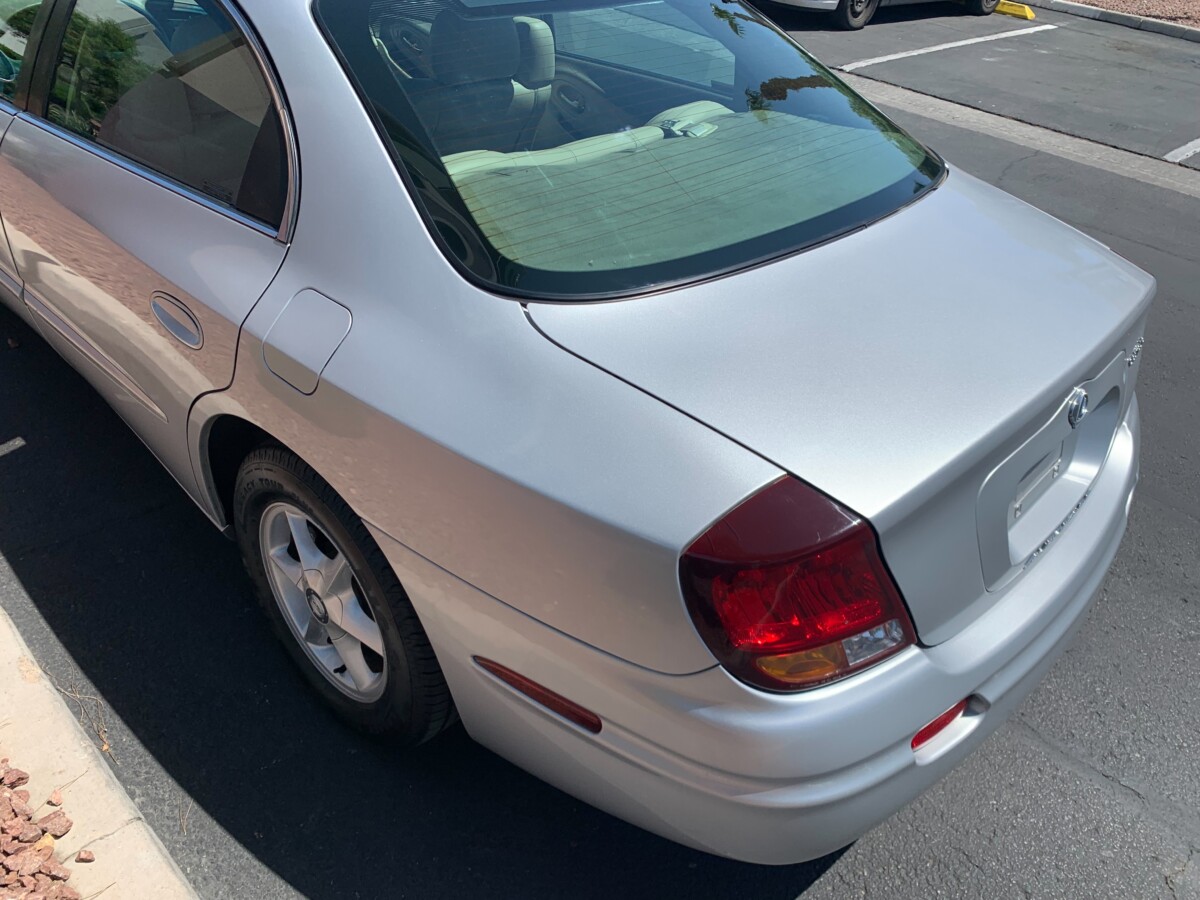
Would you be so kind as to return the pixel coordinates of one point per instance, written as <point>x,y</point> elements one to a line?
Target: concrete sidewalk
<point>41,735</point>
<point>1141,23</point>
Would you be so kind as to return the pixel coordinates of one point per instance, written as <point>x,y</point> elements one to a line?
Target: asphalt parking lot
<point>124,591</point>
<point>1117,86</point>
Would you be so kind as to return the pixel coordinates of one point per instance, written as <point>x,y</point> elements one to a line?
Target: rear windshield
<point>570,149</point>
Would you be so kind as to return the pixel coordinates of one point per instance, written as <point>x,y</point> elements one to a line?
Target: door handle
<point>572,100</point>
<point>178,321</point>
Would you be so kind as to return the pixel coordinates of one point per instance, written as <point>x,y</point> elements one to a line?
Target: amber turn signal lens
<point>805,667</point>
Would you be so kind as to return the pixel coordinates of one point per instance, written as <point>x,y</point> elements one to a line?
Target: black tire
<point>980,7</point>
<point>415,703</point>
<point>854,14</point>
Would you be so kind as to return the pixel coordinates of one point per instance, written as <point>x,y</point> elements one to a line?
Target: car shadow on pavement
<point>791,19</point>
<point>153,607</point>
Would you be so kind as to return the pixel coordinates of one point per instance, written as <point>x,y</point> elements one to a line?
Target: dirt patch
<point>1181,12</point>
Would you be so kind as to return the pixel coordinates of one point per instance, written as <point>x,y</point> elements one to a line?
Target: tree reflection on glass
<point>14,32</point>
<point>99,63</point>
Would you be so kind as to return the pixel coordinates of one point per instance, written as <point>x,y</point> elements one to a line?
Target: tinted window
<point>651,36</point>
<point>174,87</point>
<point>579,148</point>
<point>16,22</point>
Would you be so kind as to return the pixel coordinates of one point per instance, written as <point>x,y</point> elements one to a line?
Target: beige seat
<point>692,119</point>
<point>490,85</point>
<point>535,74</point>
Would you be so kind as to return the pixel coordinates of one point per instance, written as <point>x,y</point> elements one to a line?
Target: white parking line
<point>1179,154</point>
<point>9,446</point>
<point>1146,169</point>
<point>850,67</point>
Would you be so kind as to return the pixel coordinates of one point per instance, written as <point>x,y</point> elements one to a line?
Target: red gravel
<point>1181,12</point>
<point>28,867</point>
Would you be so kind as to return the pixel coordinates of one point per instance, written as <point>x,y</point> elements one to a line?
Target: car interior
<point>503,85</point>
<point>588,137</point>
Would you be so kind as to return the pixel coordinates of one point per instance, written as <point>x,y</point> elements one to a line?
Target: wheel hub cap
<point>320,613</point>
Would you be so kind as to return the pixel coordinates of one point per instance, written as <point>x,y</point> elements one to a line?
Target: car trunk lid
<point>918,371</point>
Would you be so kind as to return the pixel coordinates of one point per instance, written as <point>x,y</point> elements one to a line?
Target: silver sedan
<point>606,375</point>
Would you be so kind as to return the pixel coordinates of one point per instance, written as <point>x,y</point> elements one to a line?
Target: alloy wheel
<point>323,602</point>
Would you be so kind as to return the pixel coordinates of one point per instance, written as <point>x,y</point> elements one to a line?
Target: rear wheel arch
<point>226,441</point>
<point>362,646</point>
<point>229,442</point>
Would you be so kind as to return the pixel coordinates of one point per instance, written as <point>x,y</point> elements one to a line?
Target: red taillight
<point>789,590</point>
<point>934,728</point>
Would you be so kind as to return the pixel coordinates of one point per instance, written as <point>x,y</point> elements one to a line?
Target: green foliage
<point>99,64</point>
<point>732,19</point>
<point>20,21</point>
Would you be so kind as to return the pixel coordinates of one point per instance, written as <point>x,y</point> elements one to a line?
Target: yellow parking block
<point>1020,10</point>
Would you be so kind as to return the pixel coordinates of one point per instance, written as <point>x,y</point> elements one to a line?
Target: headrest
<point>465,51</point>
<point>536,69</point>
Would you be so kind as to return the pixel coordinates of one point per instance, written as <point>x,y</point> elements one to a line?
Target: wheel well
<point>231,440</point>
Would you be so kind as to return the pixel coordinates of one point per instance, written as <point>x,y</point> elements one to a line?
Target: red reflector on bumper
<point>934,728</point>
<point>556,703</point>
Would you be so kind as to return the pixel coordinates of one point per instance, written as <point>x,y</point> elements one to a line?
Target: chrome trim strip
<point>10,283</point>
<point>149,174</point>
<point>51,317</point>
<point>7,106</point>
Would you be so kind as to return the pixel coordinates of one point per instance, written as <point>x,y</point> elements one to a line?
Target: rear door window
<point>176,88</point>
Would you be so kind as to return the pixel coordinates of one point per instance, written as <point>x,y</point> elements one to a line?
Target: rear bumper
<point>706,761</point>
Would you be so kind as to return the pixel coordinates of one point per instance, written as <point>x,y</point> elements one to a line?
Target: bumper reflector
<point>938,725</point>
<point>543,696</point>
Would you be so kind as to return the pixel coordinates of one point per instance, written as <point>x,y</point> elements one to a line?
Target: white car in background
<point>854,14</point>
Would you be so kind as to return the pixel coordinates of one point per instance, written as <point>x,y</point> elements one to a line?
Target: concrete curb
<point>1141,23</point>
<point>41,735</point>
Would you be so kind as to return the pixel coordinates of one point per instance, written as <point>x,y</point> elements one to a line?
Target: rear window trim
<point>524,296</point>
<point>154,177</point>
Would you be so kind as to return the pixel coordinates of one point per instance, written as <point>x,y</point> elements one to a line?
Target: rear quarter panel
<point>450,424</point>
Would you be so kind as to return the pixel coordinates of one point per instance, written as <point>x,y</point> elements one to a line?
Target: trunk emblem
<point>1077,407</point>
<point>1137,351</point>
